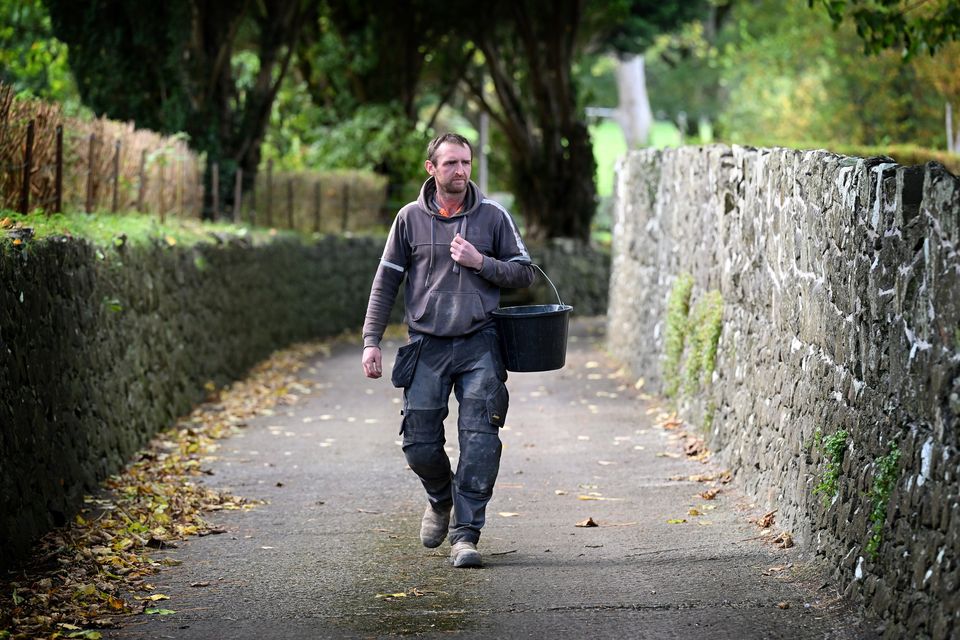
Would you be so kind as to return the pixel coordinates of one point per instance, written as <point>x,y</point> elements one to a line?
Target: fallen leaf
<point>766,520</point>
<point>676,521</point>
<point>783,605</point>
<point>639,384</point>
<point>159,612</point>
<point>709,494</point>
<point>592,497</point>
<point>694,512</point>
<point>6,223</point>
<point>605,462</point>
<point>86,634</point>
<point>508,514</point>
<point>400,594</point>
<point>560,492</point>
<point>769,571</point>
<point>784,540</point>
<point>694,447</point>
<point>667,454</point>
<point>200,584</point>
<point>592,365</point>
<point>587,523</point>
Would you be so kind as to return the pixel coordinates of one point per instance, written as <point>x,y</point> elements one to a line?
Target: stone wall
<point>835,387</point>
<point>101,348</point>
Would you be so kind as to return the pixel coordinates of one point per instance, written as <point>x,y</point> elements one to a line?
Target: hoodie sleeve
<point>512,267</point>
<point>386,283</point>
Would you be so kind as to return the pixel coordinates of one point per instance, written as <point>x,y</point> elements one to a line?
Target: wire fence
<point>52,162</point>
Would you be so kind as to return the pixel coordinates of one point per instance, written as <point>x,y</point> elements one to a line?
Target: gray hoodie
<point>442,298</point>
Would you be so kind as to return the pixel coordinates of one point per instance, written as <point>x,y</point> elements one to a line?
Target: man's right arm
<point>386,284</point>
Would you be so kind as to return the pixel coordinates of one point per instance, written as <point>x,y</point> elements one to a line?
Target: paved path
<point>340,531</point>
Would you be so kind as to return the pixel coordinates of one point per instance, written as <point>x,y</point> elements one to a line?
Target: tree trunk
<point>528,65</point>
<point>634,113</point>
<point>242,124</point>
<point>554,184</point>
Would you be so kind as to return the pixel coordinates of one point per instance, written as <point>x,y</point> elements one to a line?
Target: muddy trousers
<point>471,366</point>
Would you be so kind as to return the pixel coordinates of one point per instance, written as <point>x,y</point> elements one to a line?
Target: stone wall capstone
<point>840,287</point>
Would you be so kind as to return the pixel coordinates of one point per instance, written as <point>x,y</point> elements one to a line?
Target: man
<point>456,249</point>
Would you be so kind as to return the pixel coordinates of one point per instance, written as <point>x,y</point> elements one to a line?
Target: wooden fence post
<point>181,192</point>
<point>27,169</point>
<point>90,184</point>
<point>317,206</point>
<point>253,201</point>
<point>162,191</point>
<point>198,192</point>
<point>346,207</point>
<point>116,174</point>
<point>142,186</point>
<point>58,180</point>
<point>237,214</point>
<point>215,188</point>
<point>290,202</point>
<point>270,193</point>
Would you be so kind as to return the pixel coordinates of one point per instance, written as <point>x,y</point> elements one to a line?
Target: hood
<point>428,192</point>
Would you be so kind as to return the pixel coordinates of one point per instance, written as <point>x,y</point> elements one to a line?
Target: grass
<point>105,230</point>
<point>609,146</point>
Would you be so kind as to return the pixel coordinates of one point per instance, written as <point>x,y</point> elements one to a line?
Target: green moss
<point>678,308</point>
<point>833,447</point>
<point>883,482</point>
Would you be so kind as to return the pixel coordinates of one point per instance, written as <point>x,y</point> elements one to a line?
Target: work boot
<point>433,527</point>
<point>465,554</point>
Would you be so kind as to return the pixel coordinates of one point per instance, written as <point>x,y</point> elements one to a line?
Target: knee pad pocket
<point>422,426</point>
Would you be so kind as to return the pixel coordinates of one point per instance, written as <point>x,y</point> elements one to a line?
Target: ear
<point>429,167</point>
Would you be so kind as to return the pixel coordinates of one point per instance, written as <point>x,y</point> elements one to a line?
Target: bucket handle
<point>556,293</point>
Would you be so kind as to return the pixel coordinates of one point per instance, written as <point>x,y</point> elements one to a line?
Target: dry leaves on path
<point>766,520</point>
<point>589,522</point>
<point>86,575</point>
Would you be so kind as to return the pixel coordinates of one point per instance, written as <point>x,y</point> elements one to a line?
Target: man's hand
<point>465,253</point>
<point>372,365</point>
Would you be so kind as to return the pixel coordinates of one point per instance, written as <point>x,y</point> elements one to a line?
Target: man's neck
<point>450,201</point>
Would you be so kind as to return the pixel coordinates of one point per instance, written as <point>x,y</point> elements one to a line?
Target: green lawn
<point>609,145</point>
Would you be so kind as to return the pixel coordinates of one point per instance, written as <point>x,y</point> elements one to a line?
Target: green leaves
<point>913,27</point>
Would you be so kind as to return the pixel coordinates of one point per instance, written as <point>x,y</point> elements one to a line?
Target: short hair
<point>454,138</point>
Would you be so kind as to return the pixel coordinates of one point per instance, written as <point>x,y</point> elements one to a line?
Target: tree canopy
<point>909,25</point>
<point>180,66</point>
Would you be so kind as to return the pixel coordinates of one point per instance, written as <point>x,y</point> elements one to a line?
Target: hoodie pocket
<point>451,313</point>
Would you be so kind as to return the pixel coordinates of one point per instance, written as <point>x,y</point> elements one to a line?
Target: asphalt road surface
<point>335,552</point>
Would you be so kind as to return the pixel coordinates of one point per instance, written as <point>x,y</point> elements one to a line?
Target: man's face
<point>452,167</point>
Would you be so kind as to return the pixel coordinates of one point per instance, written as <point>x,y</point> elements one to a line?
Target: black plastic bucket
<point>534,337</point>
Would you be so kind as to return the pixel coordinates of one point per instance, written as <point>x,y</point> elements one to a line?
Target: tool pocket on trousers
<point>497,402</point>
<point>406,364</point>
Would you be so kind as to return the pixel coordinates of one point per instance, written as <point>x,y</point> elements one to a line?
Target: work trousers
<point>428,368</point>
